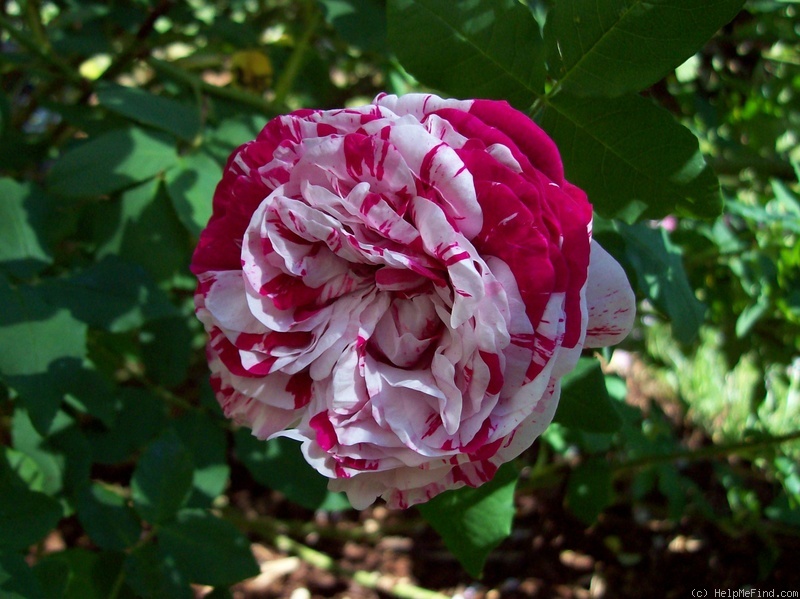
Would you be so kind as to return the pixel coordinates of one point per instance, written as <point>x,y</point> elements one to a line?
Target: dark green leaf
<point>484,48</point>
<point>279,464</point>
<point>34,333</point>
<point>88,390</point>
<point>110,162</point>
<point>166,350</point>
<point>23,252</point>
<point>29,441</point>
<point>584,402</point>
<point>92,575</point>
<point>472,522</point>
<point>659,270</point>
<point>107,518</point>
<point>612,47</point>
<point>113,294</point>
<point>206,549</point>
<point>630,155</point>
<point>590,490</point>
<point>36,340</point>
<point>207,443</point>
<point>361,23</point>
<point>25,516</point>
<point>191,189</point>
<point>162,480</point>
<point>231,133</point>
<point>17,580</point>
<point>152,574</point>
<point>143,228</point>
<point>148,109</point>
<point>141,416</point>
<point>53,575</point>
<point>25,470</point>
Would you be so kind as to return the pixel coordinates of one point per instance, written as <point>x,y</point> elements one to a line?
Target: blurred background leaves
<point>119,477</point>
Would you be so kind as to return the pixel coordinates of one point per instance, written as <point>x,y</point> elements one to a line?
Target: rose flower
<point>400,287</point>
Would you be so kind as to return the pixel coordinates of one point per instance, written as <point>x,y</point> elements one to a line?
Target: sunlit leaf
<point>191,189</point>
<point>659,270</point>
<point>612,47</point>
<point>472,522</point>
<point>164,113</point>
<point>110,162</point>
<point>628,154</point>
<point>23,209</point>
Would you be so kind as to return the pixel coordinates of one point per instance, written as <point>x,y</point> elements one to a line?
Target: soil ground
<point>633,550</point>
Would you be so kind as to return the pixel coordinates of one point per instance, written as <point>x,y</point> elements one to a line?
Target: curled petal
<point>610,300</point>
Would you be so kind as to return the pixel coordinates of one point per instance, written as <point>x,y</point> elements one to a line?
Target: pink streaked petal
<point>610,300</point>
<point>419,105</point>
<point>439,166</point>
<point>532,141</point>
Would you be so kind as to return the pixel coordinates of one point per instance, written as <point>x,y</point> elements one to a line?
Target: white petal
<point>610,300</point>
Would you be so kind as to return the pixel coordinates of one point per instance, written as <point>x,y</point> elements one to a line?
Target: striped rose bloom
<point>400,287</point>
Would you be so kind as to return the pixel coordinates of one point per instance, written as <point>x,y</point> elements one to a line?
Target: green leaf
<point>207,443</point>
<point>162,480</point>
<point>590,489</point>
<point>107,518</point>
<point>112,294</point>
<point>279,464</point>
<point>166,346</point>
<point>166,114</point>
<point>110,162</point>
<point>29,441</point>
<point>660,274</point>
<point>34,333</point>
<point>233,132</point>
<point>23,252</point>
<point>484,48</point>
<point>141,416</point>
<point>613,47</point>
<point>627,152</point>
<point>87,390</point>
<point>154,575</point>
<point>24,468</point>
<point>142,227</point>
<point>362,23</point>
<point>25,516</point>
<point>92,575</point>
<point>17,580</point>
<point>206,549</point>
<point>36,340</point>
<point>584,402</point>
<point>191,188</point>
<point>472,522</point>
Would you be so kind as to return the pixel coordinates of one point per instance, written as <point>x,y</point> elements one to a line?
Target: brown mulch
<point>633,550</point>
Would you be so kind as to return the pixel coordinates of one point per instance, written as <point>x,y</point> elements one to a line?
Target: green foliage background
<point>115,121</point>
